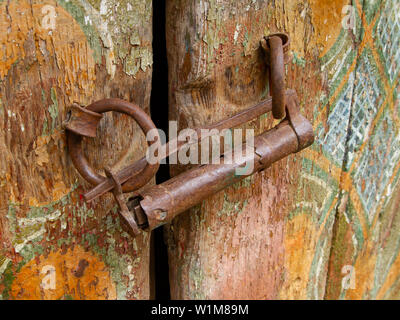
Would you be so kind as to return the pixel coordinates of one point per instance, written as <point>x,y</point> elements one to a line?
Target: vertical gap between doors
<point>159,279</point>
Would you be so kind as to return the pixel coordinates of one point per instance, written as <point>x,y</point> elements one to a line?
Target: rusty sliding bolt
<point>162,203</point>
<point>158,205</point>
<point>134,169</point>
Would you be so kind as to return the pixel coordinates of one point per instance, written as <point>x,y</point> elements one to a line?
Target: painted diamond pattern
<point>388,38</point>
<point>376,165</point>
<point>356,119</point>
<point>338,61</point>
<point>367,96</point>
<point>370,8</point>
<point>339,64</point>
<point>334,142</point>
<point>393,160</point>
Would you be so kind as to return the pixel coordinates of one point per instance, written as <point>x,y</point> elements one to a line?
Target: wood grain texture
<point>289,232</point>
<point>54,53</point>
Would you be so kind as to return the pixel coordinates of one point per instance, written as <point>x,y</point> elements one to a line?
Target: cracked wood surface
<point>54,53</point>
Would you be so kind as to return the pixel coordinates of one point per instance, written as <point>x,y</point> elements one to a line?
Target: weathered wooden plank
<point>244,243</point>
<point>365,248</point>
<point>53,53</point>
<point>270,237</point>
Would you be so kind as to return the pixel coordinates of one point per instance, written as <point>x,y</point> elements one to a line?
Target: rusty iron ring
<point>85,125</point>
<point>276,47</point>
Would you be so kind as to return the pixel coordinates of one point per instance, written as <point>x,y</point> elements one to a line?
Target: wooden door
<point>54,53</point>
<point>320,224</point>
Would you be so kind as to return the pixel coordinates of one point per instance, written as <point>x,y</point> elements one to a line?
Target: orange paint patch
<point>300,242</point>
<point>77,274</point>
<point>364,272</point>
<point>327,19</point>
<point>55,34</point>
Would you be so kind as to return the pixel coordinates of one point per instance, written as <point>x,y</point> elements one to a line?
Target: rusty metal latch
<point>157,205</point>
